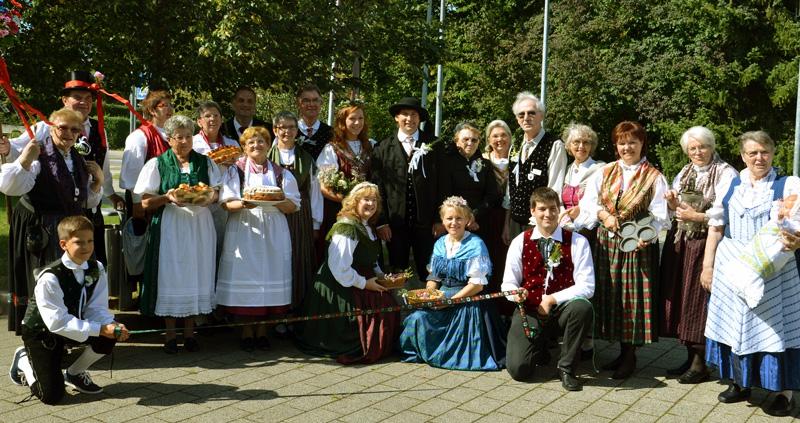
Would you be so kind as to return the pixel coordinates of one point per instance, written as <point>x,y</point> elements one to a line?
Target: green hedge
<point>112,108</point>
<point>117,129</point>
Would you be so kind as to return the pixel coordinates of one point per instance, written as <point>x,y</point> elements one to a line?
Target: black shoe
<point>569,381</point>
<point>16,375</point>
<point>191,345</point>
<point>625,369</point>
<point>780,407</point>
<point>693,377</point>
<point>171,346</point>
<point>263,344</point>
<point>587,354</point>
<point>247,344</point>
<point>82,383</point>
<point>734,394</point>
<point>680,370</point>
<point>612,365</point>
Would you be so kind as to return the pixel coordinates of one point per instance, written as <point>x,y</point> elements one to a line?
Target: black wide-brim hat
<point>409,103</point>
<point>78,80</point>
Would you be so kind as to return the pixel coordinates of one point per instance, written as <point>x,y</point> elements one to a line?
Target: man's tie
<point>527,148</point>
<point>310,131</point>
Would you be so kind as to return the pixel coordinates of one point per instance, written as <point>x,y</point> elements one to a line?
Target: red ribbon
<point>22,108</point>
<point>95,87</point>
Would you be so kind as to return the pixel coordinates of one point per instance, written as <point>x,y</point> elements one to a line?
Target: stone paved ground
<point>221,383</point>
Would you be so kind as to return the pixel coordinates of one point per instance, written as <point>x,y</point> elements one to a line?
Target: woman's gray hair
<point>579,130</point>
<point>527,95</point>
<point>700,134</point>
<point>760,137</point>
<point>178,122</point>
<point>497,123</point>
<point>284,115</point>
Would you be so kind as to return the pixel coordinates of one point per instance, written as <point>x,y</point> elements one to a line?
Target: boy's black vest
<point>71,288</point>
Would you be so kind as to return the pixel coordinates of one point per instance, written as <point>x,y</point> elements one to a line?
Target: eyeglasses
<point>311,100</point>
<point>468,140</point>
<point>181,138</point>
<point>526,113</point>
<point>62,129</point>
<point>580,142</point>
<point>285,128</point>
<point>164,106</point>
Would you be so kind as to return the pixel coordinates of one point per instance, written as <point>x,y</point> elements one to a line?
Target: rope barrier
<point>529,332</point>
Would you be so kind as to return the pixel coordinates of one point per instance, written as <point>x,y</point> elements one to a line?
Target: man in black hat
<point>404,168</point>
<point>244,112</point>
<point>78,94</point>
<point>313,132</point>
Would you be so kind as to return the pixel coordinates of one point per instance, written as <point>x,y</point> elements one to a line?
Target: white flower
<point>303,140</point>
<point>416,158</point>
<point>474,169</point>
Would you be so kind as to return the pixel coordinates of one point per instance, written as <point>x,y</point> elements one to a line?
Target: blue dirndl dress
<point>757,347</point>
<point>463,336</point>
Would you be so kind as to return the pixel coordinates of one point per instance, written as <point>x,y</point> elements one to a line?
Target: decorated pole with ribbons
<point>529,332</point>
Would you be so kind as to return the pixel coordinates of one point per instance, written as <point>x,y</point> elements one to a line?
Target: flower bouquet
<point>336,181</point>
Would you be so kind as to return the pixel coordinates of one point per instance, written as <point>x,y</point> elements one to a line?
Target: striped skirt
<point>625,285</point>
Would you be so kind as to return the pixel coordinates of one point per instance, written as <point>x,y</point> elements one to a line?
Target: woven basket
<point>393,280</point>
<point>418,296</point>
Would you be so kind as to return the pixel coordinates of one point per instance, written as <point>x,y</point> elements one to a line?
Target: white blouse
<point>287,158</point>
<point>750,196</point>
<point>590,203</point>
<point>40,131</point>
<point>16,181</point>
<point>328,159</point>
<point>474,269</point>
<point>231,188</point>
<point>340,260</point>
<point>133,160</point>
<point>149,181</point>
<point>200,145</point>
<point>579,174</point>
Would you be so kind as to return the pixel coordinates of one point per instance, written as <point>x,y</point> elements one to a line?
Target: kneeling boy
<point>555,266</point>
<point>70,306</point>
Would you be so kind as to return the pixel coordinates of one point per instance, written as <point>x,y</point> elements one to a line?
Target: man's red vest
<point>534,270</point>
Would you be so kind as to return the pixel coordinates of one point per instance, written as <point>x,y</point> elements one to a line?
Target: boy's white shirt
<point>50,302</point>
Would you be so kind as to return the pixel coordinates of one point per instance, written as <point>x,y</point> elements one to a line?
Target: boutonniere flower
<point>474,169</point>
<point>553,260</point>
<point>91,276</point>
<point>416,158</point>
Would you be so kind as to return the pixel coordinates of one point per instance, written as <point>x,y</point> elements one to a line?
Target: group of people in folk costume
<point>510,217</point>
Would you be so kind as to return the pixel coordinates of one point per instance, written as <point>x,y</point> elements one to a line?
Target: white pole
<point>796,162</point>
<point>330,94</point>
<point>439,78</point>
<point>425,70</point>
<point>543,92</point>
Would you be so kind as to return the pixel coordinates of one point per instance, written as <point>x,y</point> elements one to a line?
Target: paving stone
<point>547,416</point>
<point>633,417</point>
<point>520,409</point>
<point>227,414</point>
<point>506,393</point>
<point>314,416</point>
<point>624,396</point>
<point>434,406</point>
<point>666,394</point>
<point>407,416</point>
<point>124,414</point>
<point>83,412</point>
<point>568,406</point>
<point>456,415</point>
<point>651,406</point>
<point>278,413</point>
<point>499,418</point>
<point>396,404</point>
<point>606,409</point>
<point>588,418</point>
<point>482,405</point>
<point>369,415</point>
<point>461,395</point>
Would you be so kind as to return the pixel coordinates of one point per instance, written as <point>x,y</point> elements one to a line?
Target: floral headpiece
<point>362,186</point>
<point>455,201</point>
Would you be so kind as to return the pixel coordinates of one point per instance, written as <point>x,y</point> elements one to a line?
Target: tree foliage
<point>731,66</point>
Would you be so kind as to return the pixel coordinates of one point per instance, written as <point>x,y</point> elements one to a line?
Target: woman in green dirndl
<point>303,224</point>
<point>347,280</point>
<point>179,267</point>
<point>626,190</point>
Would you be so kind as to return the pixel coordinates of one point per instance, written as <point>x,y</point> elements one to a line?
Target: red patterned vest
<point>534,270</point>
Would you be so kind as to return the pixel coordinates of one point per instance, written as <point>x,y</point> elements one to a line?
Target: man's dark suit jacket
<point>389,172</point>
<point>230,130</point>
